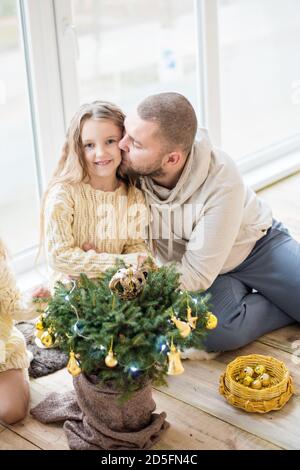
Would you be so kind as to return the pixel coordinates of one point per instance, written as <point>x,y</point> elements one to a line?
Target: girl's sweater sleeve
<point>63,254</point>
<point>12,304</point>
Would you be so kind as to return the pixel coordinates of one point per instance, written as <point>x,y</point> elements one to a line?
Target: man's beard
<point>153,172</point>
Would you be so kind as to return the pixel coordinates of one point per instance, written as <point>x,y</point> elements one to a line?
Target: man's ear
<point>173,159</point>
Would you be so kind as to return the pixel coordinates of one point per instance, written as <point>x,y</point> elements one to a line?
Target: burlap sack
<point>95,419</point>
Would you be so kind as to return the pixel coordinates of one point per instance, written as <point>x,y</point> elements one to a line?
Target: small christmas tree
<point>127,327</point>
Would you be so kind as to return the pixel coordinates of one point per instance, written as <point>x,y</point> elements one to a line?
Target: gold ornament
<point>260,369</point>
<point>265,379</point>
<point>256,384</point>
<point>40,323</point>
<point>191,320</point>
<point>110,359</point>
<point>212,321</point>
<point>127,283</point>
<point>175,366</point>
<point>47,339</point>
<point>182,326</point>
<point>248,371</point>
<point>73,365</point>
<point>39,333</point>
<point>247,380</point>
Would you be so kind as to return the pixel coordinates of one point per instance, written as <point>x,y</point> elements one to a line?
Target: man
<point>220,234</point>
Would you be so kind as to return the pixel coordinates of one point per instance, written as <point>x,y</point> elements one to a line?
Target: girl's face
<point>100,139</point>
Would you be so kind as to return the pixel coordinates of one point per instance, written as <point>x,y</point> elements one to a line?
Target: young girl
<point>91,216</point>
<point>14,358</point>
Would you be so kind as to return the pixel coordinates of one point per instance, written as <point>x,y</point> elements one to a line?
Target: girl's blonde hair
<point>72,167</point>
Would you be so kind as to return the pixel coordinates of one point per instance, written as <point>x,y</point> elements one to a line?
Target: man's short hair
<point>175,116</point>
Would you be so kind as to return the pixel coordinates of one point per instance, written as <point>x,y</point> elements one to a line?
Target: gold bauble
<point>110,359</point>
<point>260,369</point>
<point>39,333</point>
<point>73,365</point>
<point>175,365</point>
<point>212,321</point>
<point>248,371</point>
<point>40,323</point>
<point>247,380</point>
<point>265,379</point>
<point>127,283</point>
<point>256,384</point>
<point>47,339</point>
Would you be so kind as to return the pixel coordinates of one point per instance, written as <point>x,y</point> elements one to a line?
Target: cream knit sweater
<point>113,221</point>
<point>13,354</point>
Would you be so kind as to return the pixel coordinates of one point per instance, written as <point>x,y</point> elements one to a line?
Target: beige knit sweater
<point>113,221</point>
<point>13,354</point>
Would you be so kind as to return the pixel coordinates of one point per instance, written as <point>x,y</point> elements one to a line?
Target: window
<point>259,71</point>
<point>128,50</point>
<point>18,184</point>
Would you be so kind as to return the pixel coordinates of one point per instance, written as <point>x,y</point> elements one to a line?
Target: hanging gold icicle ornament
<point>110,359</point>
<point>182,326</point>
<point>191,320</point>
<point>212,321</point>
<point>175,366</point>
<point>73,365</point>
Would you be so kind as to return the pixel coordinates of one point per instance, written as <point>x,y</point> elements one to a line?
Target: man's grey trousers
<point>273,270</point>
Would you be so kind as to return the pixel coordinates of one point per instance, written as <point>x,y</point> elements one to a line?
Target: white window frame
<point>39,42</point>
<point>260,168</point>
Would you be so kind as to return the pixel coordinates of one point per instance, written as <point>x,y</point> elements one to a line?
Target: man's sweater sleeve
<point>212,239</point>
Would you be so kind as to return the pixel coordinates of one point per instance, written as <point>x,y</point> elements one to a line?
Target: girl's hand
<point>41,292</point>
<point>88,246</point>
<point>141,260</point>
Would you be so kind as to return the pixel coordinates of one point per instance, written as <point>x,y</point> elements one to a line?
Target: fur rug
<point>197,354</point>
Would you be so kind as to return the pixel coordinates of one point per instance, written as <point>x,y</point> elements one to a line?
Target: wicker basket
<point>267,399</point>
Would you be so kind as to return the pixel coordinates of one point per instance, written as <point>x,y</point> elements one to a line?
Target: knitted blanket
<point>94,419</point>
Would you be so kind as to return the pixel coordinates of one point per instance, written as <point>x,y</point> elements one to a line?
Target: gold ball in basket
<point>260,369</point>
<point>248,371</point>
<point>256,384</point>
<point>127,283</point>
<point>265,379</point>
<point>247,381</point>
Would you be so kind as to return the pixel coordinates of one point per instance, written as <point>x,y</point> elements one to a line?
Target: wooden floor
<point>200,418</point>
